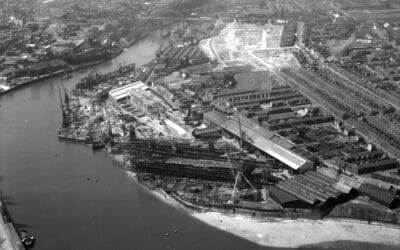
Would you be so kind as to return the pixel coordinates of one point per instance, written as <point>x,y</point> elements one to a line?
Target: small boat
<point>66,76</point>
<point>26,239</point>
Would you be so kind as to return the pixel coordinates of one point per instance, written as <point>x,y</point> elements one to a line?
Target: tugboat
<point>27,240</point>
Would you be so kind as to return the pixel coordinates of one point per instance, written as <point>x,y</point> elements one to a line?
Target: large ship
<point>94,78</point>
<point>92,54</point>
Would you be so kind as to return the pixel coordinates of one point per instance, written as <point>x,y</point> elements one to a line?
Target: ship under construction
<point>183,159</point>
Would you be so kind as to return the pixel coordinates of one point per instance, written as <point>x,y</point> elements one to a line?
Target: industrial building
<point>373,166</point>
<point>121,94</point>
<point>285,199</point>
<point>379,195</point>
<point>315,189</point>
<point>259,140</point>
<point>144,100</point>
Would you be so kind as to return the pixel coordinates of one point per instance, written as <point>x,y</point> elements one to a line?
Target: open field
<point>249,44</point>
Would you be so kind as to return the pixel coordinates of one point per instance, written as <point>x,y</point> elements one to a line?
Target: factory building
<point>379,195</point>
<point>140,97</point>
<point>145,101</point>
<point>286,200</point>
<point>121,94</point>
<point>259,140</point>
<point>245,98</point>
<point>369,167</point>
<point>311,190</point>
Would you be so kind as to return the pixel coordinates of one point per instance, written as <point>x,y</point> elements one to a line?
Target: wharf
<point>54,74</point>
<point>9,238</point>
<point>33,80</point>
<point>71,138</point>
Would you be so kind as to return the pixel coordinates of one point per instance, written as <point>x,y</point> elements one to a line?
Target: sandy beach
<point>6,238</point>
<point>276,232</point>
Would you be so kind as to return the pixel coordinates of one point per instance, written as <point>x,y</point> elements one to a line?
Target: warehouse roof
<point>123,91</point>
<point>281,196</point>
<point>380,195</point>
<point>260,140</point>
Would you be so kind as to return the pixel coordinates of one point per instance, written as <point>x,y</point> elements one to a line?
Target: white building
<point>121,95</point>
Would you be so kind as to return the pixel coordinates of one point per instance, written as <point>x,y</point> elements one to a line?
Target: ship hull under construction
<point>186,170</point>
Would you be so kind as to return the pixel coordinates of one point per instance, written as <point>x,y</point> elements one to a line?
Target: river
<point>70,197</point>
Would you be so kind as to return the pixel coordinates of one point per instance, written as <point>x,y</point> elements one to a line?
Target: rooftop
<point>259,138</point>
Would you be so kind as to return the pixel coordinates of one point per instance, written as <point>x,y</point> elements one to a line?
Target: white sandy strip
<point>5,236</point>
<point>277,232</point>
<point>295,233</point>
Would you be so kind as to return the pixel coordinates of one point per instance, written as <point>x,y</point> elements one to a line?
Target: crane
<point>230,163</point>
<point>236,177</point>
<point>240,129</point>
<point>233,195</point>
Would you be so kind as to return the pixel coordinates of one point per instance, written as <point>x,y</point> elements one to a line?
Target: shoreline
<point>247,223</point>
<point>9,236</point>
<point>272,231</point>
<point>276,232</point>
<point>74,68</point>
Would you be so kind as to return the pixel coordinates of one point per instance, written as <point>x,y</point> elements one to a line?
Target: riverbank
<point>32,80</point>
<point>83,66</point>
<point>57,173</point>
<point>9,238</point>
<point>276,232</point>
<point>288,233</point>
<point>73,68</point>
<point>283,232</point>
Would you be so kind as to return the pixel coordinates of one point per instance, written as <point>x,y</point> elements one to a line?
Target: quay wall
<point>255,213</point>
<point>11,237</point>
<point>354,211</point>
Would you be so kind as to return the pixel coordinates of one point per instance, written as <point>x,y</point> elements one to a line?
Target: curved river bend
<point>72,198</point>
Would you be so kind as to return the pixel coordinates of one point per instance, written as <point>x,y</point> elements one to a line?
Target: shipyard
<point>247,113</point>
<point>226,124</point>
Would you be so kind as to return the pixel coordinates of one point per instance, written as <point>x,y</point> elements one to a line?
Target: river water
<point>70,197</point>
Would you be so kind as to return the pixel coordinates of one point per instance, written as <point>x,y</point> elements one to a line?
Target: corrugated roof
<point>258,140</point>
<point>377,194</point>
<point>123,91</point>
<point>342,187</point>
<point>280,195</point>
<point>308,190</point>
<point>320,177</point>
<point>297,193</point>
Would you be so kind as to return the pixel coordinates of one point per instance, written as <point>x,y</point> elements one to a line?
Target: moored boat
<point>26,239</point>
